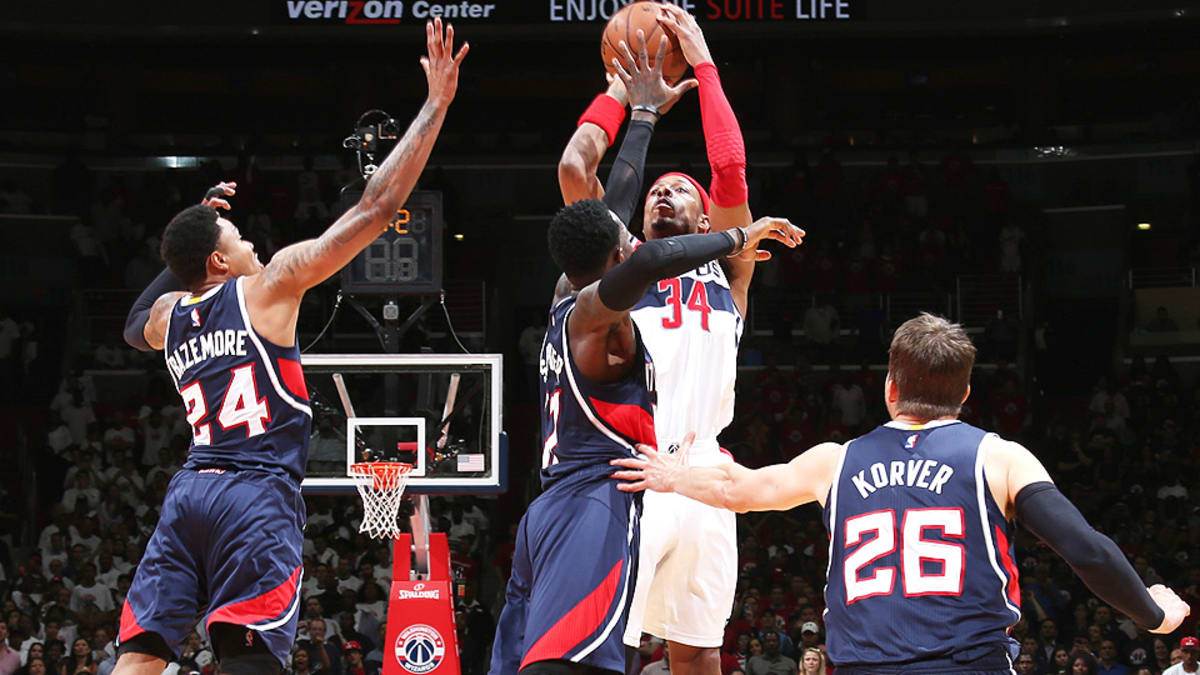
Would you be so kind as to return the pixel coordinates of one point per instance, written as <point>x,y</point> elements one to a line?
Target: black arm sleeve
<point>622,286</point>
<point>165,282</point>
<point>1093,556</point>
<point>624,185</point>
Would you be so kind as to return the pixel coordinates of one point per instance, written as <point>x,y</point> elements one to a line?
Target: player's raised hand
<point>644,84</point>
<point>684,27</point>
<point>1174,609</point>
<point>215,197</point>
<point>770,227</point>
<point>441,63</point>
<point>656,471</point>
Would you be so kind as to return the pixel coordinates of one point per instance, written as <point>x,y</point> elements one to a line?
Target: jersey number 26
<point>916,552</point>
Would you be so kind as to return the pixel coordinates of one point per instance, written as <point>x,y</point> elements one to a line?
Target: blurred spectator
<point>1162,322</point>
<point>848,402</point>
<point>771,661</point>
<point>1108,660</point>
<point>10,659</point>
<point>1001,338</point>
<point>1190,653</point>
<point>14,199</point>
<point>323,652</point>
<point>661,666</point>
<point>80,659</point>
<point>352,651</point>
<point>301,663</point>
<point>812,662</point>
<point>822,328</point>
<point>1011,239</point>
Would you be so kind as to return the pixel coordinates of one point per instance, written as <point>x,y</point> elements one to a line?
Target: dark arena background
<point>1030,169</point>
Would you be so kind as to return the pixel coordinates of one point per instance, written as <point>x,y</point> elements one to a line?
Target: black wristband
<point>647,109</point>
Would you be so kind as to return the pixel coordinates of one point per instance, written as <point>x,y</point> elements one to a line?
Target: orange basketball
<point>624,25</point>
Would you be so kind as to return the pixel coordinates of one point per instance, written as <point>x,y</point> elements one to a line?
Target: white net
<point>381,486</point>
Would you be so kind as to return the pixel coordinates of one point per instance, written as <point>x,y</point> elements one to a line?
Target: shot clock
<point>406,259</point>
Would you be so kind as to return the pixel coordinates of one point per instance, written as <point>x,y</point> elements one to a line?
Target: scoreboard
<point>406,259</point>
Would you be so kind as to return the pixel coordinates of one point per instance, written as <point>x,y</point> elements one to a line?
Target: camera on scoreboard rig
<point>372,127</point>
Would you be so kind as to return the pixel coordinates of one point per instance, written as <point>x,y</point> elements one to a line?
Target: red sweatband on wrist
<point>607,113</point>
<point>722,140</point>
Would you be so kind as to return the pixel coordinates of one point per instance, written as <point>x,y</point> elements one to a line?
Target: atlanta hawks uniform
<point>920,555</point>
<point>228,542</point>
<point>688,565</point>
<point>576,551</point>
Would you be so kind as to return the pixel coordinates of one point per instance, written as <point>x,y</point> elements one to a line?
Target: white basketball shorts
<point>687,568</point>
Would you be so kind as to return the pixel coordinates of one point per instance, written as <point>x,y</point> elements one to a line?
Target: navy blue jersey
<point>920,555</point>
<point>585,424</point>
<point>245,397</point>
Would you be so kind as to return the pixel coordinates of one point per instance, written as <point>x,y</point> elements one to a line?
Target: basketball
<point>624,25</point>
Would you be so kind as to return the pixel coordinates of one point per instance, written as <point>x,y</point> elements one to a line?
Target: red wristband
<point>722,140</point>
<point>605,112</point>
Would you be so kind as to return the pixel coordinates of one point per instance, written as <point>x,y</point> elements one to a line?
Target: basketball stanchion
<point>421,634</point>
<point>414,426</point>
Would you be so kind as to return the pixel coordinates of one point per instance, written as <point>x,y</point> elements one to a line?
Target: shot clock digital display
<point>406,259</point>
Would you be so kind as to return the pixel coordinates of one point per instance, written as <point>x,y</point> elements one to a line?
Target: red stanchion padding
<point>421,637</point>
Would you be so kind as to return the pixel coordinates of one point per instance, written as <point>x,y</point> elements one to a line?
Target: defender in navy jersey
<point>227,547</point>
<point>919,511</point>
<point>576,546</point>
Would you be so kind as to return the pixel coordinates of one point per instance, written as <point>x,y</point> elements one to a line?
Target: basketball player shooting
<point>576,544</point>
<point>691,324</point>
<point>567,596</point>
<point>920,515</point>
<point>228,542</point>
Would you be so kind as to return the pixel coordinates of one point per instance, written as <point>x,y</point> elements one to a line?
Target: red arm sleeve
<point>722,139</point>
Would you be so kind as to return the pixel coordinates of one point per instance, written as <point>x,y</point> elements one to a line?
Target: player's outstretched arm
<point>596,130</point>
<point>136,322</point>
<point>1100,563</point>
<point>778,487</point>
<point>604,303</point>
<point>303,265</point>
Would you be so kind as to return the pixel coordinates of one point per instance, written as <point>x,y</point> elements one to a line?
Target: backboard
<point>440,412</point>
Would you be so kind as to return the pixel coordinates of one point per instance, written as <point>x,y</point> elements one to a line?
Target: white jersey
<point>692,328</point>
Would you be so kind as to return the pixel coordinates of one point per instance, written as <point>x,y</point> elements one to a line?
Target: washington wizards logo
<point>911,441</point>
<point>420,648</point>
<point>195,318</point>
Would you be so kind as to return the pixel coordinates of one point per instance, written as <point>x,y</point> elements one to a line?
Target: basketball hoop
<point>381,486</point>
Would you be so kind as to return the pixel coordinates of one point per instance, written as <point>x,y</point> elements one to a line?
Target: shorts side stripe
<point>577,624</point>
<point>267,607</point>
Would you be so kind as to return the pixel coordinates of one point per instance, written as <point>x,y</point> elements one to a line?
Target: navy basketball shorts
<point>983,660</point>
<point>573,567</point>
<point>227,547</point>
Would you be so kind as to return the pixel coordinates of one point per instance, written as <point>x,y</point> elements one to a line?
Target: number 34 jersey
<point>692,329</point>
<point>920,555</point>
<point>244,397</point>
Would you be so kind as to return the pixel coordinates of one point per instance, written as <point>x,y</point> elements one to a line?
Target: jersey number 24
<point>241,405</point>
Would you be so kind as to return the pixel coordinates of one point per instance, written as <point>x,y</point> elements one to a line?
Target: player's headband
<point>694,182</point>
